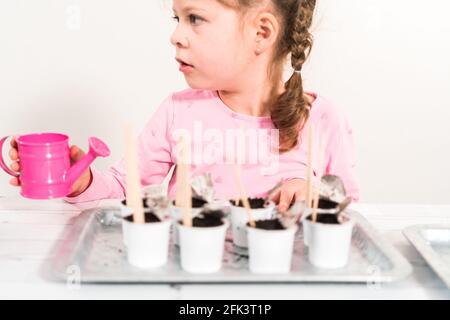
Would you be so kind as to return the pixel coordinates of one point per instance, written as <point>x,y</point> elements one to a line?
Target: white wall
<point>85,66</point>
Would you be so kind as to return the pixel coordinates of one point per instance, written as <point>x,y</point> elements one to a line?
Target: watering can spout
<point>97,148</point>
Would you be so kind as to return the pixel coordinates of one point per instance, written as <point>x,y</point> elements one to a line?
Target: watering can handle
<point>2,162</point>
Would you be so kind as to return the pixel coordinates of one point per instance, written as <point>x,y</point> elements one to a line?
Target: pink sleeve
<point>155,161</point>
<point>341,156</point>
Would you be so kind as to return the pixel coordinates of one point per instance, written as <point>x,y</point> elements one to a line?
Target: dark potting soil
<point>255,203</point>
<point>326,218</point>
<point>213,214</point>
<point>327,204</point>
<point>196,202</point>
<point>150,217</point>
<point>206,222</point>
<point>208,219</point>
<point>272,224</point>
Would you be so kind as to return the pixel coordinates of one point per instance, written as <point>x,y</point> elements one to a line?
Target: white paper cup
<point>125,212</point>
<point>239,220</point>
<point>307,212</point>
<point>329,244</point>
<point>176,214</point>
<point>147,244</point>
<point>201,249</point>
<point>270,251</point>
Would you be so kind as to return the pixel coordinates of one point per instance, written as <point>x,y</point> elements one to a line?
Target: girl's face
<point>211,48</point>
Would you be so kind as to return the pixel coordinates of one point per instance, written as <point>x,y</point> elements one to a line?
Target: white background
<point>84,67</point>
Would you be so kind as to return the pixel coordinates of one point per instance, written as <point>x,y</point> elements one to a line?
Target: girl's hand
<point>291,191</point>
<point>15,166</point>
<point>80,185</point>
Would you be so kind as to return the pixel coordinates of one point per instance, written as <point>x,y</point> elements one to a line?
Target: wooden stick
<point>319,176</point>
<point>309,195</point>
<point>133,193</point>
<point>244,197</point>
<point>183,188</point>
<point>241,190</point>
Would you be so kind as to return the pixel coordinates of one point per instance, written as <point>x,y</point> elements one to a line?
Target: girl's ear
<point>267,29</point>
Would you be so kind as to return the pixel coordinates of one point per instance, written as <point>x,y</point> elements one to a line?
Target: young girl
<point>232,54</point>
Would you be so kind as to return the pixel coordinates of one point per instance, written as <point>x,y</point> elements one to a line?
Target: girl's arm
<point>155,160</point>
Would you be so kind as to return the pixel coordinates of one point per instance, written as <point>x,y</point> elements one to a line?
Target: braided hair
<point>291,109</point>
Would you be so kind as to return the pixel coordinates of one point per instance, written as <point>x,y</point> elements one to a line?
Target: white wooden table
<point>29,230</point>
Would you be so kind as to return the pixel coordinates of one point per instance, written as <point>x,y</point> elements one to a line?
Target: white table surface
<point>29,230</point>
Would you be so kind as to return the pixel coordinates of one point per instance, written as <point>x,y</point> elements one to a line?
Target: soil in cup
<point>196,203</point>
<point>269,224</point>
<point>327,204</point>
<point>150,217</point>
<point>208,219</point>
<point>326,218</point>
<point>255,203</point>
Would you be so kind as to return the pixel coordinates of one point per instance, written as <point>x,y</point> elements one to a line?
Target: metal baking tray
<point>92,248</point>
<point>433,243</point>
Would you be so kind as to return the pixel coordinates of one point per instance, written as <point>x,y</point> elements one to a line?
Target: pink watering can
<point>45,171</point>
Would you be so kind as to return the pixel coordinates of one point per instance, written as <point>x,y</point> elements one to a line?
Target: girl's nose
<point>178,38</point>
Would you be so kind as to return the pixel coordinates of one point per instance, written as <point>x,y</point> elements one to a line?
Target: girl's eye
<point>193,18</point>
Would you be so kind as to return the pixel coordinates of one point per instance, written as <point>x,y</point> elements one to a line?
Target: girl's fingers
<point>81,184</point>
<point>75,154</point>
<point>13,142</point>
<point>13,154</point>
<point>15,166</point>
<point>299,196</point>
<point>276,196</point>
<point>15,182</point>
<point>285,200</point>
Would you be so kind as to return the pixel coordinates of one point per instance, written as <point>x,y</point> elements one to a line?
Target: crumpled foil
<point>202,187</point>
<point>331,187</point>
<point>157,200</point>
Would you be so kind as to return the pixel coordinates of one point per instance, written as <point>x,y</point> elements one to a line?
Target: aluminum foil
<point>331,187</point>
<point>202,187</point>
<point>157,200</point>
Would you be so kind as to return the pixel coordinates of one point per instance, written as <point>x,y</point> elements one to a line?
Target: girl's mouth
<point>184,67</point>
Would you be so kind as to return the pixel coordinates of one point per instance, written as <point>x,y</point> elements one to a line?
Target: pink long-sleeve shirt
<point>213,132</point>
